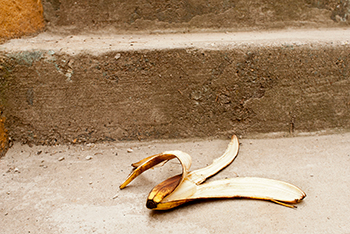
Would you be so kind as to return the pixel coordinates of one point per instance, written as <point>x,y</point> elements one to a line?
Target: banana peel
<point>189,185</point>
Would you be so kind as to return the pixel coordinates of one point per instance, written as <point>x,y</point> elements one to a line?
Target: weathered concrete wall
<point>20,17</point>
<point>53,98</point>
<point>187,15</point>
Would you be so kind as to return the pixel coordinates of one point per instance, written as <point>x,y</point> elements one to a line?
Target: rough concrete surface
<point>68,16</point>
<point>57,190</point>
<point>91,88</point>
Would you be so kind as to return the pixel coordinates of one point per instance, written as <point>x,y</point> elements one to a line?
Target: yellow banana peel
<point>189,186</point>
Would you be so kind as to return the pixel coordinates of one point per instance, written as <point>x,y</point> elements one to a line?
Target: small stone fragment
<point>88,157</point>
<point>117,56</point>
<point>115,196</point>
<point>129,150</point>
<point>16,170</point>
<point>60,158</point>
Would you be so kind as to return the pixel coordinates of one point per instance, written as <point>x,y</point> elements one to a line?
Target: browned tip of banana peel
<point>189,186</point>
<point>164,189</point>
<point>144,165</point>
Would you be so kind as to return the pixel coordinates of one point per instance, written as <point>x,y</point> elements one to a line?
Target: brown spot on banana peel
<point>160,191</point>
<point>166,205</point>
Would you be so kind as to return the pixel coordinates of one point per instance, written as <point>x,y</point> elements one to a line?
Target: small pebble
<point>90,182</point>
<point>117,56</point>
<point>311,175</point>
<point>115,196</point>
<point>60,158</point>
<point>39,152</point>
<point>129,150</point>
<point>16,170</point>
<point>88,157</point>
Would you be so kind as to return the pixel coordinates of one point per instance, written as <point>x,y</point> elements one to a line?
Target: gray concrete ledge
<point>103,42</point>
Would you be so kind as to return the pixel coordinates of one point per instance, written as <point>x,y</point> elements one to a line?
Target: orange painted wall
<point>20,17</point>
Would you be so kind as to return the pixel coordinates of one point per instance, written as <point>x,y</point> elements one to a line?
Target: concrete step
<point>54,189</point>
<point>68,16</point>
<point>89,88</point>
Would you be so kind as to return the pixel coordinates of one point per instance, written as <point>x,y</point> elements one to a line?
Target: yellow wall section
<point>20,17</point>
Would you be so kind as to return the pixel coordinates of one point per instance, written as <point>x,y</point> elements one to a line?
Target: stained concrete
<point>67,16</point>
<point>92,88</point>
<point>57,190</point>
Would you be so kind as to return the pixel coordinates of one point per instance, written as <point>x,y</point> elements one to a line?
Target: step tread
<point>102,43</point>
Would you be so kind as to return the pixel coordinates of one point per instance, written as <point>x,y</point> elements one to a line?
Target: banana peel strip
<point>189,186</point>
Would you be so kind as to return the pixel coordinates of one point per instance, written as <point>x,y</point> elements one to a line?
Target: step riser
<point>79,16</point>
<point>59,98</point>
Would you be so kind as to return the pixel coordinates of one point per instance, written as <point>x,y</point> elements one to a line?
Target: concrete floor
<point>58,190</point>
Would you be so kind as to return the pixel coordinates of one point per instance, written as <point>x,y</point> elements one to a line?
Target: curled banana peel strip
<point>189,186</point>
